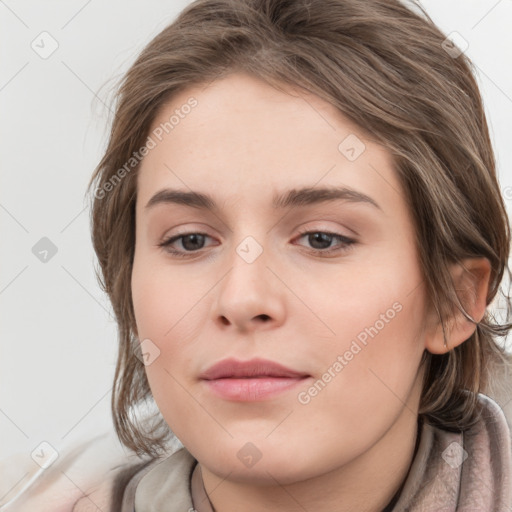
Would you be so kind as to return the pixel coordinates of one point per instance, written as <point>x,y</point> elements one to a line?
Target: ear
<point>471,280</point>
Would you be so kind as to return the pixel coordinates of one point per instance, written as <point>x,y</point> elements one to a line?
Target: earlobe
<point>471,280</point>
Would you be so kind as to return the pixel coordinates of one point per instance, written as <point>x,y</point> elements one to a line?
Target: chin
<point>259,463</point>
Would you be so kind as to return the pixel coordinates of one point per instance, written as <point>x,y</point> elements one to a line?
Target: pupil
<point>321,237</point>
<point>194,238</point>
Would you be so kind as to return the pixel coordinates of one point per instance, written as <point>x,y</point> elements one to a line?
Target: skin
<point>351,445</point>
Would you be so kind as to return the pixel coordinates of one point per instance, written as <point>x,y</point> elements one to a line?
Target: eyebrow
<point>293,198</point>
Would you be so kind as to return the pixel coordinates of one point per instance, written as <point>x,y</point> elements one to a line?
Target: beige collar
<point>450,472</point>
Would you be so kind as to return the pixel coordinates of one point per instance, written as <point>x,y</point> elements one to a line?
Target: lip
<point>253,380</point>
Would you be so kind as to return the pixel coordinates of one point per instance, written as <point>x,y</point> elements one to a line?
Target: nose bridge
<point>249,274</point>
<point>248,293</point>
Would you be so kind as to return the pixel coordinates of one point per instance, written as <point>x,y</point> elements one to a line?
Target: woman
<point>300,228</point>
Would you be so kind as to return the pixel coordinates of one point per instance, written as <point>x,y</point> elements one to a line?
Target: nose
<point>250,296</point>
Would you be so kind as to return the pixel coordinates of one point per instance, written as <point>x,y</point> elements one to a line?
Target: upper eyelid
<point>324,229</point>
<point>301,231</point>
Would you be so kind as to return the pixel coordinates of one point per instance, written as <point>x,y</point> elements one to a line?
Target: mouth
<point>254,380</point>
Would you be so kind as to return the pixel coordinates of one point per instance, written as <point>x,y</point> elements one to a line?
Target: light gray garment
<point>451,472</point>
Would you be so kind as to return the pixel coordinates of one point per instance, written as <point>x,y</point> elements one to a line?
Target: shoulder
<point>115,490</point>
<point>492,436</point>
<point>149,480</point>
<point>462,470</point>
<point>493,422</point>
<point>146,480</point>
<point>81,478</point>
<point>486,460</point>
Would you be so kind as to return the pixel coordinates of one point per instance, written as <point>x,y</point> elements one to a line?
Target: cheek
<point>164,301</point>
<point>161,300</point>
<point>376,317</point>
<point>367,374</point>
<point>169,311</point>
<point>380,299</point>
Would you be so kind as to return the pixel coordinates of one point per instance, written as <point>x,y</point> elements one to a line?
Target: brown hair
<point>388,69</point>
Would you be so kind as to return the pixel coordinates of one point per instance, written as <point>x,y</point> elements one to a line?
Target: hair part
<point>383,66</point>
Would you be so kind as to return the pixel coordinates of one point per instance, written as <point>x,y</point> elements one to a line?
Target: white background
<point>59,342</point>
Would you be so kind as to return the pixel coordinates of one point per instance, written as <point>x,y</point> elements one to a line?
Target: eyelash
<point>346,243</point>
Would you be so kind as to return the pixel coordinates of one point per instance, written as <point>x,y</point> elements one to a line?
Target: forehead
<point>244,135</point>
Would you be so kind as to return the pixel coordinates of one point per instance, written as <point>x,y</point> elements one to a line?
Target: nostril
<point>262,317</point>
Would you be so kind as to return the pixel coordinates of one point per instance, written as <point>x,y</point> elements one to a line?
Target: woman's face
<point>304,257</point>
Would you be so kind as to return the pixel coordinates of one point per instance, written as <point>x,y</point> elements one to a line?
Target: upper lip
<point>232,368</point>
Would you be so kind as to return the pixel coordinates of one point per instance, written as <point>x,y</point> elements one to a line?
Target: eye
<point>190,242</point>
<point>321,241</point>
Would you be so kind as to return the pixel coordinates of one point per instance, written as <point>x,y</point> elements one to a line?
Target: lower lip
<point>252,390</point>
